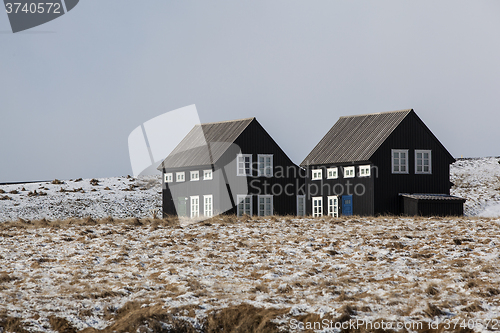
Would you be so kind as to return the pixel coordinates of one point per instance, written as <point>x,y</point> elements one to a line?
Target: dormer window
<point>349,172</point>
<point>317,174</point>
<point>332,173</point>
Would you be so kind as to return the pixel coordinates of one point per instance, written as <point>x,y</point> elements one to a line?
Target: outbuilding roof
<point>205,143</point>
<point>428,196</point>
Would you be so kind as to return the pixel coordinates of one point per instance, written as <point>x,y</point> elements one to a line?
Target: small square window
<point>332,173</point>
<point>180,176</point>
<point>364,171</point>
<point>207,174</point>
<point>194,176</point>
<point>169,178</point>
<point>317,174</point>
<point>349,172</point>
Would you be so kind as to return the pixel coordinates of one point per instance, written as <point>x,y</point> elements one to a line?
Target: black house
<point>231,167</point>
<point>380,163</point>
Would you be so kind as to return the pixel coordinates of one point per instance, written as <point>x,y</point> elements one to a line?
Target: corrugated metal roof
<point>205,143</point>
<point>355,138</point>
<point>429,196</point>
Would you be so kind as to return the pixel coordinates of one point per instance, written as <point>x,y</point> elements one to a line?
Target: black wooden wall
<point>411,134</point>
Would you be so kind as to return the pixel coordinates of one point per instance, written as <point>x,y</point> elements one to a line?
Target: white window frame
<point>208,212</point>
<point>262,169</point>
<point>349,172</point>
<point>301,198</point>
<point>399,151</point>
<point>423,151</point>
<point>333,206</point>
<point>168,177</point>
<point>194,176</point>
<point>178,177</point>
<point>194,207</point>
<point>317,174</point>
<point>320,212</point>
<point>240,198</point>
<point>271,211</point>
<point>364,171</point>
<point>243,171</point>
<point>332,173</point>
<point>208,174</point>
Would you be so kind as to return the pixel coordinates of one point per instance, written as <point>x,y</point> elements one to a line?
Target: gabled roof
<point>355,138</point>
<point>205,143</point>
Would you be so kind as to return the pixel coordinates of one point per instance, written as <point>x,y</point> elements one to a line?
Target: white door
<point>195,206</point>
<point>208,205</point>
<point>333,206</point>
<point>317,205</point>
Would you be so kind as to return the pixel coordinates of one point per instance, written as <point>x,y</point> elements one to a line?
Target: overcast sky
<point>72,90</point>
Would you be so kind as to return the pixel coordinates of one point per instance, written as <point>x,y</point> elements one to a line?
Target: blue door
<point>347,205</point>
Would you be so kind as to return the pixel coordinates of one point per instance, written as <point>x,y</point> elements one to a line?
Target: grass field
<point>249,274</point>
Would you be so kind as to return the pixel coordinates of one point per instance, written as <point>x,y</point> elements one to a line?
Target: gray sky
<point>73,89</point>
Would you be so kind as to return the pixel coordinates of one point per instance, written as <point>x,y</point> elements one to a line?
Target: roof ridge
<point>376,113</point>
<point>226,121</point>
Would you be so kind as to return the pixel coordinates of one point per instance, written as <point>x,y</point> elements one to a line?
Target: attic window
<point>423,161</point>
<point>317,174</point>
<point>244,165</point>
<point>265,165</point>
<point>400,161</point>
<point>349,172</point>
<point>169,178</point>
<point>332,173</point>
<point>364,171</point>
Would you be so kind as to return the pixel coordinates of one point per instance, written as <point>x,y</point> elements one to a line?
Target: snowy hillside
<point>478,181</point>
<point>119,197</point>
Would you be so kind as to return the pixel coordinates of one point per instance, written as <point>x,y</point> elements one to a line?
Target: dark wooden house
<point>231,167</point>
<point>381,163</point>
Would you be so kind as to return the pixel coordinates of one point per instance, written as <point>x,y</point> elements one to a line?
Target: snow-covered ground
<point>124,276</point>
<point>119,197</point>
<point>478,181</point>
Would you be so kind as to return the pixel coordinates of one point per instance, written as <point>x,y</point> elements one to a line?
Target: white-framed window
<point>399,160</point>
<point>364,171</point>
<point>180,176</point>
<point>244,165</point>
<point>169,177</point>
<point>317,174</point>
<point>244,205</point>
<point>265,165</point>
<point>333,206</point>
<point>317,206</point>
<point>332,173</point>
<point>265,205</point>
<point>207,174</point>
<point>423,161</point>
<point>208,209</point>
<point>195,206</point>
<point>301,205</point>
<point>349,172</point>
<point>194,176</point>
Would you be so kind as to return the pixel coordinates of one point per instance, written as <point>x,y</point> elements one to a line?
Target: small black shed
<point>432,204</point>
